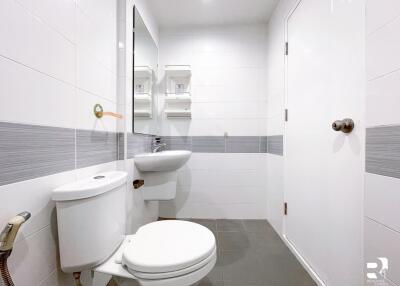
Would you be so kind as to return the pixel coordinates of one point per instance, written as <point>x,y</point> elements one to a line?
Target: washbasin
<point>165,161</point>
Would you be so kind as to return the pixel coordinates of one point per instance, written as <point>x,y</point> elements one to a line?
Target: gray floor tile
<point>208,282</point>
<point>216,275</point>
<point>211,224</point>
<point>251,253</point>
<point>229,225</point>
<point>233,241</point>
<point>238,283</point>
<point>285,270</point>
<point>265,244</point>
<point>243,267</point>
<point>254,225</point>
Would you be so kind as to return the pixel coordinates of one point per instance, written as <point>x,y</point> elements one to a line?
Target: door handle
<point>346,125</point>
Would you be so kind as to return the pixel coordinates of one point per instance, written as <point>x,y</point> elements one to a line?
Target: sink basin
<point>165,161</point>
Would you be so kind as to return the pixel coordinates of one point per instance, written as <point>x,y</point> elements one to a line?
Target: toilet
<point>91,226</point>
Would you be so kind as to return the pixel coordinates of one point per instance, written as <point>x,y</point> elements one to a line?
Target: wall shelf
<point>178,113</point>
<point>178,98</point>
<point>177,95</point>
<point>143,72</point>
<point>143,96</point>
<point>143,113</point>
<point>178,70</point>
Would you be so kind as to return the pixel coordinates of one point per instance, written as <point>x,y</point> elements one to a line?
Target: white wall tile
<point>382,226</point>
<point>276,124</point>
<point>228,65</point>
<point>94,77</point>
<point>32,43</point>
<point>227,161</point>
<point>208,211</point>
<point>382,50</point>
<point>380,13</point>
<point>98,37</point>
<point>33,196</point>
<point>381,241</point>
<point>220,185</point>
<point>382,197</point>
<point>57,14</point>
<point>382,96</point>
<point>33,258</point>
<point>41,99</point>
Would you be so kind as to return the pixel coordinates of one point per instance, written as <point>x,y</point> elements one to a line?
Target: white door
<point>323,168</point>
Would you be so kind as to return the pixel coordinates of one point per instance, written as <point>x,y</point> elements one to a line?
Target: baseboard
<point>303,262</point>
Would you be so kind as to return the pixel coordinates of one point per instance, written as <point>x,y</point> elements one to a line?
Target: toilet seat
<point>165,275</point>
<point>177,252</point>
<point>168,246</point>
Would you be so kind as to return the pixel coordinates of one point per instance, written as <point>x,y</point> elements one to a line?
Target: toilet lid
<point>166,246</point>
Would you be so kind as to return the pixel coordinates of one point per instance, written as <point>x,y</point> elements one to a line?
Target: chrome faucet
<point>157,146</point>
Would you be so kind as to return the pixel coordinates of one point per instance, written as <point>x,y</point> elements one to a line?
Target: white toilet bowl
<point>164,253</point>
<point>91,227</point>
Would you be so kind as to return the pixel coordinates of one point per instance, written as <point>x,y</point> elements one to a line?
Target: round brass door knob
<point>346,125</point>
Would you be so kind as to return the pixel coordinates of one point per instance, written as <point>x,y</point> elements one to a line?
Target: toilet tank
<point>91,219</point>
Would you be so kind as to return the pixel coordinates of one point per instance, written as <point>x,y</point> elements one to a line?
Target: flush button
<point>99,177</point>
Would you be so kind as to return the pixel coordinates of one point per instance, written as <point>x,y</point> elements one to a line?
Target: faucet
<point>7,238</point>
<point>157,145</point>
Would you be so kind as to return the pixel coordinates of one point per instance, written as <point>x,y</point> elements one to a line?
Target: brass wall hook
<point>99,113</point>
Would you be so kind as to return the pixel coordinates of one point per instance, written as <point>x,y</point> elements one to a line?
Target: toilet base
<point>191,279</point>
<point>129,282</point>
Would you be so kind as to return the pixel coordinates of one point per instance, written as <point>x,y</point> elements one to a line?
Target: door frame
<point>293,249</point>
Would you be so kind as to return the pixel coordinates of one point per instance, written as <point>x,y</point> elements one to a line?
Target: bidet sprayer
<point>9,233</point>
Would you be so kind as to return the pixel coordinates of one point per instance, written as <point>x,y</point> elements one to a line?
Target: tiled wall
<point>228,79</point>
<point>225,176</point>
<point>57,59</point>
<point>220,144</point>
<point>382,185</point>
<point>220,185</point>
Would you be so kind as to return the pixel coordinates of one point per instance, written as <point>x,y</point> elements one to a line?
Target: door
<point>324,168</point>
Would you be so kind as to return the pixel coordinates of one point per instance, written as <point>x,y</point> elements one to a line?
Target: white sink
<point>165,161</point>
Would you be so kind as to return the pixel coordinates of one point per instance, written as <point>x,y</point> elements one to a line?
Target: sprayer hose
<point>5,274</point>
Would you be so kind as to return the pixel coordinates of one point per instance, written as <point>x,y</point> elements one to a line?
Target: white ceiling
<point>180,13</point>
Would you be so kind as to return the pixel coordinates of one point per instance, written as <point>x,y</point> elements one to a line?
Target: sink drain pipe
<point>7,238</point>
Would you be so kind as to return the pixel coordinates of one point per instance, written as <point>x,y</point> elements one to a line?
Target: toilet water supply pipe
<point>77,278</point>
<point>7,238</point>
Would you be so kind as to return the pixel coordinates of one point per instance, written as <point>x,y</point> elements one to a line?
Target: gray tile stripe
<point>383,151</point>
<point>208,144</point>
<point>243,144</point>
<point>264,144</point>
<point>231,144</point>
<point>178,143</point>
<point>275,145</point>
<point>28,151</point>
<point>31,151</point>
<point>95,147</point>
<point>138,143</point>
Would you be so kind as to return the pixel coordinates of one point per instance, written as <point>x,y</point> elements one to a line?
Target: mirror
<point>145,70</point>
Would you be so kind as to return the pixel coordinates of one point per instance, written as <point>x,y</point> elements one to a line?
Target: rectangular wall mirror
<point>145,71</point>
